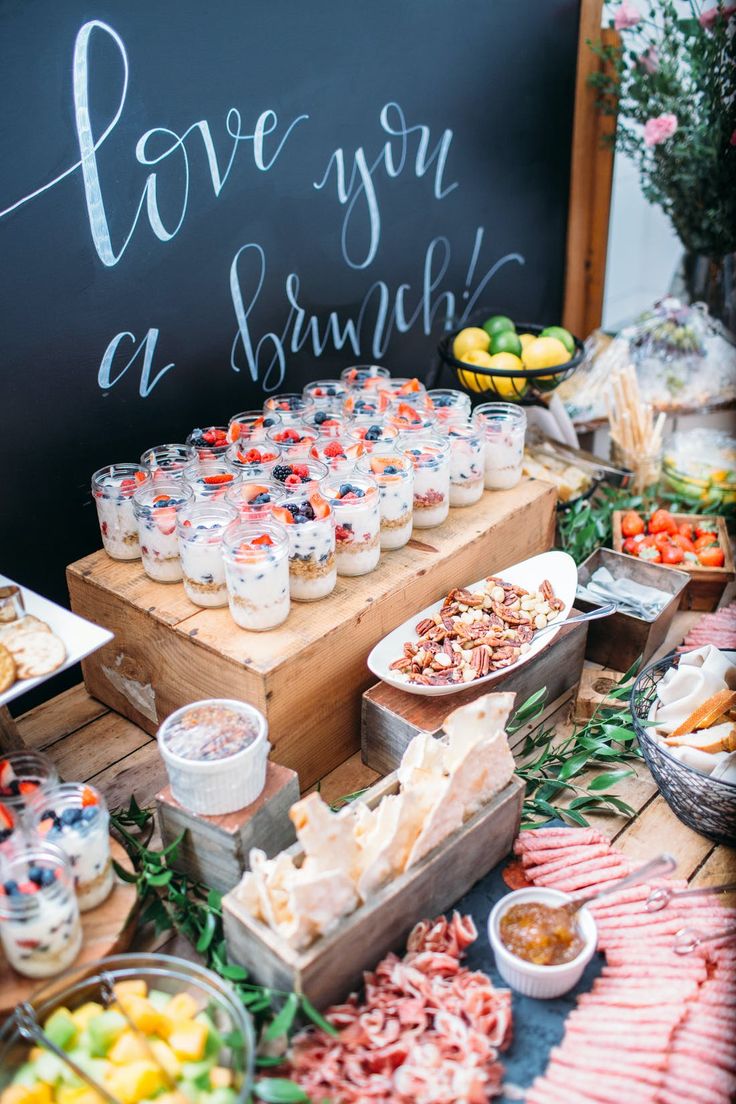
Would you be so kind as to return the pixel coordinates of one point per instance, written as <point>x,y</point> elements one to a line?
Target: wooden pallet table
<point>308,675</point>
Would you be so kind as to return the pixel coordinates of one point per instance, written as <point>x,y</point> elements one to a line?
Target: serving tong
<point>658,867</point>
<point>30,1029</point>
<point>662,895</point>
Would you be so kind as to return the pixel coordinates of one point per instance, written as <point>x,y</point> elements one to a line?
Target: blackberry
<point>282,472</point>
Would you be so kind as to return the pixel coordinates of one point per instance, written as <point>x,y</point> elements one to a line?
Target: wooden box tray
<point>308,675</point>
<point>707,584</point>
<point>334,965</point>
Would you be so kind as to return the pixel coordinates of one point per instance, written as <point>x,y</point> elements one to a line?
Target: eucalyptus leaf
<point>281,1023</point>
<point>603,781</point>
<point>277,1090</point>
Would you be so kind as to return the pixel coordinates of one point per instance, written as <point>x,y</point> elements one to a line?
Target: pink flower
<point>710,16</point>
<point>659,129</point>
<point>628,15</point>
<point>649,60</point>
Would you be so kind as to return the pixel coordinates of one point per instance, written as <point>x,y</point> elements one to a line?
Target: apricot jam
<point>540,934</point>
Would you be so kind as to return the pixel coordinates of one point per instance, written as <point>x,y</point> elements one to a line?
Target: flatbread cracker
<point>7,669</point>
<point>36,653</point>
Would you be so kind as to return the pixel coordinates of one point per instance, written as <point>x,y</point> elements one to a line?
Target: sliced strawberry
<point>280,513</point>
<point>140,477</point>
<point>342,534</point>
<point>255,491</point>
<point>45,825</point>
<point>233,433</point>
<point>263,539</point>
<point>408,412</point>
<point>27,787</point>
<point>89,797</point>
<point>187,523</point>
<point>221,477</point>
<point>7,774</point>
<point>128,485</point>
<point>6,819</point>
<point>28,887</point>
<point>28,944</point>
<point>161,498</point>
<point>410,387</point>
<point>320,505</point>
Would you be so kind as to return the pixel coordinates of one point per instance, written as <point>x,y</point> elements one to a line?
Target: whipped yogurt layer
<point>356,504</point>
<point>40,929</point>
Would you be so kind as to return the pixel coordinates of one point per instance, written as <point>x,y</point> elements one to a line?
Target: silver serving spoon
<point>593,615</point>
<point>662,895</point>
<point>687,939</point>
<point>656,868</point>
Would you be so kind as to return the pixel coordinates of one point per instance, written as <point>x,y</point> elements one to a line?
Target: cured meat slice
<point>576,856</point>
<point>537,839</point>
<point>585,879</point>
<point>608,1087</point>
<point>644,1067</point>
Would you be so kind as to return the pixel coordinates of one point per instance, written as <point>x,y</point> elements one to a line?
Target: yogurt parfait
<point>209,443</point>
<point>467,459</point>
<point>503,426</point>
<point>74,817</point>
<point>256,556</point>
<point>430,455</point>
<point>23,774</point>
<point>449,405</point>
<point>290,407</point>
<point>113,488</point>
<point>168,461</point>
<point>410,391</point>
<point>338,453</point>
<point>156,507</point>
<point>199,528</point>
<point>326,394</point>
<point>365,404</point>
<point>40,930</point>
<point>310,524</point>
<point>371,432</point>
<point>294,441</point>
<point>210,479</point>
<point>253,461</point>
<point>407,418</point>
<point>326,423</point>
<point>355,502</point>
<point>254,499</point>
<point>366,376</point>
<point>251,426</point>
<point>9,829</point>
<point>393,472</point>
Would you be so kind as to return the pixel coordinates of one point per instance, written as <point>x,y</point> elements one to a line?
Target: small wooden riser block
<point>215,849</point>
<point>595,686</point>
<point>392,718</point>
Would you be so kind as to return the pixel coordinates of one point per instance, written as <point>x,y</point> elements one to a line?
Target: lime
<point>472,337</point>
<point>562,335</point>
<point>497,323</point>
<point>506,341</point>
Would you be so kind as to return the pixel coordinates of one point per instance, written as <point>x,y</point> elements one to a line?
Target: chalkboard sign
<point>204,203</point>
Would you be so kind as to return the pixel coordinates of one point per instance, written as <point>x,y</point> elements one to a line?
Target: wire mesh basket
<point>708,805</point>
<point>507,385</point>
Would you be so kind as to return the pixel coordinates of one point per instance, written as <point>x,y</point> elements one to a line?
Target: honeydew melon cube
<point>103,1030</point>
<point>159,999</point>
<point>61,1028</point>
<point>85,1013</point>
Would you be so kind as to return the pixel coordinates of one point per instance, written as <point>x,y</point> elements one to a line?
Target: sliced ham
<point>537,839</point>
<point>585,879</point>
<point>576,856</point>
<point>646,1068</point>
<point>609,1088</point>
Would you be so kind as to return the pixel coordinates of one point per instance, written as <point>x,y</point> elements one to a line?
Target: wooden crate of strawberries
<point>695,543</point>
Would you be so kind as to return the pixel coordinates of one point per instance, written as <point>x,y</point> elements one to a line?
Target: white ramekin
<point>542,982</point>
<point>216,786</point>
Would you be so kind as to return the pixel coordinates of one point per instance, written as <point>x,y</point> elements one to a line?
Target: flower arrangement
<point>672,83</point>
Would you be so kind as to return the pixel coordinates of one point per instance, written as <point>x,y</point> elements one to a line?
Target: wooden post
<point>10,737</point>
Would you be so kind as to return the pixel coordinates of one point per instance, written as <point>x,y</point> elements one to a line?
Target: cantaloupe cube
<point>136,986</point>
<point>221,1078</point>
<point>78,1094</point>
<point>135,1082</point>
<point>84,1014</point>
<point>40,1093</point>
<point>188,1040</point>
<point>172,1098</point>
<point>141,1012</point>
<point>183,1006</point>
<point>129,1047</point>
<point>165,1057</point>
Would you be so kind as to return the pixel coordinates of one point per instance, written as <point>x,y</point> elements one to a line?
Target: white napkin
<point>554,421</point>
<point>701,674</point>
<point>632,597</point>
<point>725,768</point>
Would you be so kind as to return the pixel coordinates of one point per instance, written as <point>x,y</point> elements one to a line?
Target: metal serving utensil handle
<point>656,868</point>
<point>593,615</point>
<point>30,1029</point>
<point>662,895</point>
<point>687,939</point>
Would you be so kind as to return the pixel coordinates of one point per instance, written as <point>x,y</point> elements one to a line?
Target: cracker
<point>37,653</point>
<point>7,669</point>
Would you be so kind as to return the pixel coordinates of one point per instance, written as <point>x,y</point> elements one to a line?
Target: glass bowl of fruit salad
<point>139,1025</point>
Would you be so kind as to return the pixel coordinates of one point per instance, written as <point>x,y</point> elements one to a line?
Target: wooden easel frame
<point>591,174</point>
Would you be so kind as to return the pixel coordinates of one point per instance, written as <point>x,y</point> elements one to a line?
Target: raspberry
<point>333,449</point>
<point>301,470</point>
<point>292,481</point>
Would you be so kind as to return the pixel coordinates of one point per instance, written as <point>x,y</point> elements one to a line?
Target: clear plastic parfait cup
<point>467,459</point>
<point>200,527</point>
<point>310,523</point>
<point>251,425</point>
<point>40,929</point>
<point>23,774</point>
<point>253,499</point>
<point>430,455</point>
<point>256,557</point>
<point>449,404</point>
<point>504,428</point>
<point>215,753</point>
<point>253,459</point>
<point>210,479</point>
<point>168,461</point>
<point>338,453</point>
<point>393,472</point>
<point>156,507</point>
<point>112,489</point>
<point>290,407</point>
<point>294,440</point>
<point>354,499</point>
<point>210,443</point>
<point>371,431</point>
<point>73,816</point>
<point>326,394</point>
<point>365,376</point>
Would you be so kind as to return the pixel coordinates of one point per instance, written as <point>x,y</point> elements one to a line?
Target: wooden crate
<point>707,584</point>
<point>334,965</point>
<point>391,718</point>
<point>308,675</point>
<point>215,849</point>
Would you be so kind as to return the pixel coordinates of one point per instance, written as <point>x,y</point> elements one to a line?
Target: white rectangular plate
<point>562,573</point>
<point>80,637</point>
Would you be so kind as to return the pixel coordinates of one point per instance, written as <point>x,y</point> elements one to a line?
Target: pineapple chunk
<point>78,1094</point>
<point>136,986</point>
<point>135,1082</point>
<point>172,1098</point>
<point>128,1047</point>
<point>221,1078</point>
<point>165,1057</point>
<point>84,1014</point>
<point>182,1007</point>
<point>142,1013</point>
<point>188,1040</point>
<point>40,1093</point>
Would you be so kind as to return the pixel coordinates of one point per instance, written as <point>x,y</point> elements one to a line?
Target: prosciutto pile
<point>428,1030</point>
<point>718,629</point>
<point>656,1027</point>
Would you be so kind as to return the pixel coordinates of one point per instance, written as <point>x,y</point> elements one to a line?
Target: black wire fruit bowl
<point>506,385</point>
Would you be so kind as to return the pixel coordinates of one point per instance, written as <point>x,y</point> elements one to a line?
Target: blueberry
<point>260,499</point>
<point>91,811</point>
<point>390,470</point>
<point>11,888</point>
<point>442,400</point>
<point>308,511</point>
<point>196,434</point>
<point>300,519</point>
<point>359,492</point>
<point>320,417</point>
<point>415,452</point>
<point>373,433</point>
<point>268,422</point>
<point>35,875</point>
<point>70,817</point>
<point>330,392</point>
<point>345,489</point>
<point>293,508</point>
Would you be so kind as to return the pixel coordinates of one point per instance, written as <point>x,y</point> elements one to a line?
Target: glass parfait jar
<point>168,461</point>
<point>310,525</point>
<point>448,405</point>
<point>210,443</point>
<point>156,507</point>
<point>371,432</point>
<point>289,406</point>
<point>393,473</point>
<point>24,773</point>
<point>256,556</point>
<point>294,440</point>
<point>360,403</point>
<point>366,376</point>
<point>430,455</point>
<point>40,929</point>
<point>337,453</point>
<point>210,479</point>
<point>112,489</point>
<point>326,423</point>
<point>251,426</point>
<point>73,817</point>
<point>253,499</point>
<point>504,427</point>
<point>355,503</point>
<point>253,460</point>
<point>10,829</point>
<point>406,419</point>
<point>199,529</point>
<point>411,391</point>
<point>467,460</point>
<point>326,394</point>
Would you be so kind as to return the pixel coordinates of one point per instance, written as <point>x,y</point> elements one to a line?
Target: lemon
<point>482,359</point>
<point>472,337</point>
<point>506,341</point>
<point>544,352</point>
<point>504,386</point>
<point>497,323</point>
<point>562,335</point>
<point>526,339</point>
